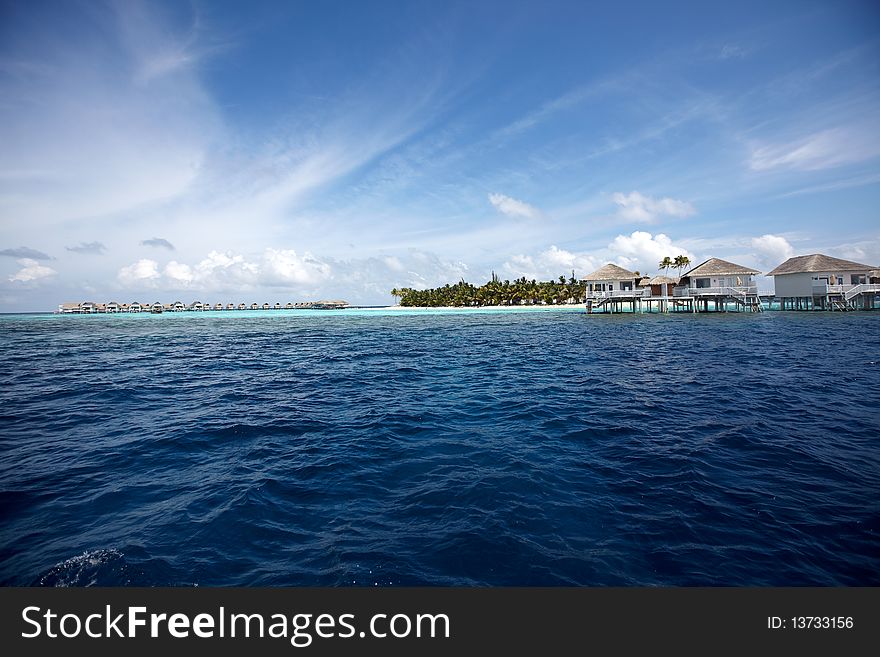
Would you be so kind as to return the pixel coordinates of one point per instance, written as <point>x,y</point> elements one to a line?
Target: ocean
<point>380,448</point>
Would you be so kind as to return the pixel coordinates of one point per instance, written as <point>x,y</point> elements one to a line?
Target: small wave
<point>108,567</point>
<point>91,568</point>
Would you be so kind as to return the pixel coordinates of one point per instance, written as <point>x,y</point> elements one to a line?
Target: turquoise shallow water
<point>372,447</point>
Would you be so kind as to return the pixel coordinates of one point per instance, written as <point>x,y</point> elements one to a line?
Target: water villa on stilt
<point>820,282</point>
<point>612,288</point>
<point>720,283</point>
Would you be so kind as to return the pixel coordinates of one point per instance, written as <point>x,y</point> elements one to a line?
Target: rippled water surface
<point>371,448</point>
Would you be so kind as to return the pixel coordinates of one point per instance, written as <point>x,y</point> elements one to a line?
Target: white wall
<point>793,285</point>
<point>801,284</point>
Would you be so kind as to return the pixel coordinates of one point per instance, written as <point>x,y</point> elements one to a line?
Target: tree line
<point>520,292</point>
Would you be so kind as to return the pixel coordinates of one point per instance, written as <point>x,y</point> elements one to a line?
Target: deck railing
<point>639,293</point>
<point>856,290</point>
<point>725,291</point>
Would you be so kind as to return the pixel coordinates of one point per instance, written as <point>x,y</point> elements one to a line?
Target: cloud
<point>143,271</point>
<point>114,108</point>
<point>303,275</point>
<point>94,248</point>
<point>549,264</point>
<point>178,272</point>
<point>31,271</point>
<point>643,251</point>
<point>820,150</point>
<point>512,207</point>
<point>25,252</point>
<point>158,242</point>
<point>638,207</point>
<point>285,267</point>
<point>733,51</point>
<point>548,109</point>
<point>772,249</point>
<point>393,263</point>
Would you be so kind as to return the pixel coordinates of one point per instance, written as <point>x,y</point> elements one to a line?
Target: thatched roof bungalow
<point>797,276</point>
<point>821,281</point>
<point>134,307</point>
<point>715,275</point>
<point>609,278</point>
<point>661,286</point>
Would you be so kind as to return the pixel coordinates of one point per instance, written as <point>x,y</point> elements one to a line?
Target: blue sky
<point>284,151</point>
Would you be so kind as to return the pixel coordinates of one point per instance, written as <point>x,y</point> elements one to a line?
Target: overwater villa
<point>156,307</point>
<point>610,278</point>
<point>197,306</point>
<point>134,307</point>
<point>112,307</point>
<point>820,282</point>
<point>288,306</point>
<point>611,287</point>
<point>719,282</point>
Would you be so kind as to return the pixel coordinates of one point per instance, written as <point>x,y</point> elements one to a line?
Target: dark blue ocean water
<point>370,448</point>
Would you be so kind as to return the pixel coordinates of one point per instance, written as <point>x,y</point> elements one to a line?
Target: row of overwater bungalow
<point>90,307</point>
<point>811,282</point>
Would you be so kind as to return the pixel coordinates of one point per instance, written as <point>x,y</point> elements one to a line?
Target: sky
<point>290,151</point>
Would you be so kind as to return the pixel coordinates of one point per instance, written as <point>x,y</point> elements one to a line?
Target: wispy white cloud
<point>545,111</point>
<point>733,51</point>
<point>844,183</point>
<point>513,207</point>
<point>825,149</point>
<point>30,271</point>
<point>113,144</point>
<point>638,207</point>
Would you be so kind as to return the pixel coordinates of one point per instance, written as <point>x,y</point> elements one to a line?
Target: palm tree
<point>666,263</point>
<point>680,262</point>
